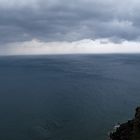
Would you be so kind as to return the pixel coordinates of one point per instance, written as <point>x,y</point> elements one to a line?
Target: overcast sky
<point>22,21</point>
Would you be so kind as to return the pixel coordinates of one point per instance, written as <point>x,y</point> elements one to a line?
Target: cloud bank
<point>69,20</point>
<point>66,23</point>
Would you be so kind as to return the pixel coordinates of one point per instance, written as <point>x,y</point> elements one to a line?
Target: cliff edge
<point>129,130</point>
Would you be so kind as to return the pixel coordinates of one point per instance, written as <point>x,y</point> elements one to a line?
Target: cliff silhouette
<point>129,130</point>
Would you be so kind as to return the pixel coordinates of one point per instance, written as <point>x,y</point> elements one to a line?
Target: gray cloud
<point>65,20</point>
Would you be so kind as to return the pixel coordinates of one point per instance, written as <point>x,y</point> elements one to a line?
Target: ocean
<point>67,97</point>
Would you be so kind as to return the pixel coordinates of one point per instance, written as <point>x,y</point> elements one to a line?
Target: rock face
<point>129,130</point>
<point>136,127</point>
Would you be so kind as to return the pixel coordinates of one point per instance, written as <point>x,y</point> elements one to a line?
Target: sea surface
<point>66,97</point>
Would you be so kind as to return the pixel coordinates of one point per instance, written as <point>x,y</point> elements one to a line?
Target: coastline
<point>129,130</point>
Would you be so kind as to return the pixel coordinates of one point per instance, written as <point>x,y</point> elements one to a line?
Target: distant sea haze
<point>66,97</point>
<point>86,46</point>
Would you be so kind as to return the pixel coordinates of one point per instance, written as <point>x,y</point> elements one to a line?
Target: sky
<point>69,26</point>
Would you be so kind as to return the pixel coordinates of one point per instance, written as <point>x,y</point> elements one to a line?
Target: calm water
<point>73,97</point>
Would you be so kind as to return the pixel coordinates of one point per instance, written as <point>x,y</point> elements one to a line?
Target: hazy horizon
<point>86,46</point>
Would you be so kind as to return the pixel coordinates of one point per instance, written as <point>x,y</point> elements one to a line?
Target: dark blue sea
<point>66,97</point>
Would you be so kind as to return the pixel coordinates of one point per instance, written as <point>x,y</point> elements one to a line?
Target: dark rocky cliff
<point>129,130</point>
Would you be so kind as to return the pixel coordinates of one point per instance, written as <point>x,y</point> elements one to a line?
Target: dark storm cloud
<point>65,20</point>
